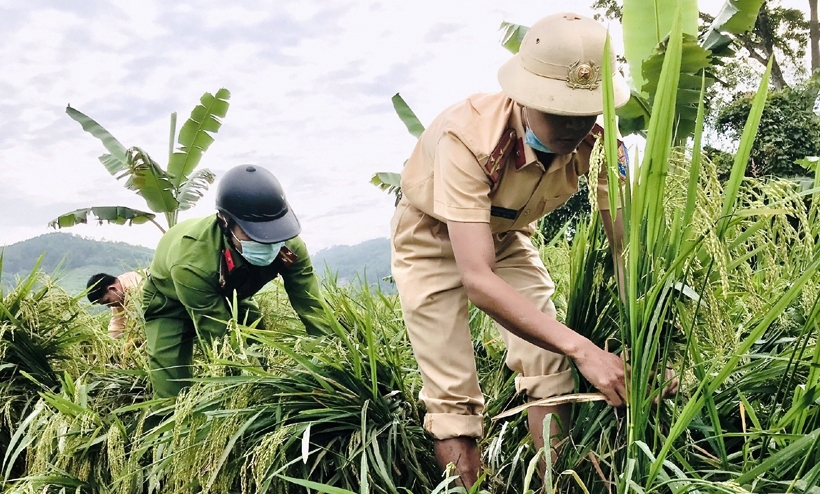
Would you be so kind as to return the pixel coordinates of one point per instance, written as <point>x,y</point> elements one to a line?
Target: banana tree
<point>645,50</point>
<point>168,191</point>
<point>646,25</point>
<point>391,181</point>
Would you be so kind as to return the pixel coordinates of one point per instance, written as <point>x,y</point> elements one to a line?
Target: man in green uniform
<point>200,263</point>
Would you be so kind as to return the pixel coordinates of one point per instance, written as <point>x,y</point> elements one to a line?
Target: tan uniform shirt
<point>471,165</point>
<point>453,174</point>
<point>130,282</point>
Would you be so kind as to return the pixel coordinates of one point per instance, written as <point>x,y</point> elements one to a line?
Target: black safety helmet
<point>252,197</point>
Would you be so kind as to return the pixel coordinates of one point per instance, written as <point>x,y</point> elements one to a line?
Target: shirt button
<point>526,212</point>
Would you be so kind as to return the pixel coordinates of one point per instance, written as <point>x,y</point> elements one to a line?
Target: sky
<point>311,83</point>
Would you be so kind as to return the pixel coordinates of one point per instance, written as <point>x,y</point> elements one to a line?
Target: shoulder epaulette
<point>287,256</point>
<point>499,155</point>
<point>597,131</point>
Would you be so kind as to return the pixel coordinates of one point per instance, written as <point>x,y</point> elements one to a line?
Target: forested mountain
<point>369,260</point>
<point>72,259</point>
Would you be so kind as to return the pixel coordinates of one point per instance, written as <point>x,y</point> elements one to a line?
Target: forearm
<point>518,315</point>
<point>116,325</point>
<point>475,256</point>
<point>310,312</point>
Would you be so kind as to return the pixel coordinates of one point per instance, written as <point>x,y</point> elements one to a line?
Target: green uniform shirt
<point>195,267</point>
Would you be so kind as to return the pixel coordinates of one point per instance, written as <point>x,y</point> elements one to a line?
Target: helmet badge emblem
<point>583,75</point>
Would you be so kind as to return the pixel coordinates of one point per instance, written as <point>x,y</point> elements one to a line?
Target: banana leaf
<point>118,215</point>
<point>407,116</point>
<point>194,188</point>
<point>389,182</point>
<point>150,181</point>
<point>115,162</point>
<point>694,61</point>
<point>512,36</point>
<point>633,117</point>
<point>195,135</point>
<point>735,17</point>
<point>646,23</point>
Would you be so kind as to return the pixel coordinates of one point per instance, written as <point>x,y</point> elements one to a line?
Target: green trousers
<point>170,335</point>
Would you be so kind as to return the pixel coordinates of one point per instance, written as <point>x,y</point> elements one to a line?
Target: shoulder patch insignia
<point>225,267</point>
<point>497,157</point>
<point>623,160</point>
<point>229,260</point>
<point>287,256</point>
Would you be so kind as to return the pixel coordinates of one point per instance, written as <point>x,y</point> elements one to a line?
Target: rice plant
<point>721,284</point>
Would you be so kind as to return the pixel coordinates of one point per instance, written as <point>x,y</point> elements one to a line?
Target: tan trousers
<point>435,308</point>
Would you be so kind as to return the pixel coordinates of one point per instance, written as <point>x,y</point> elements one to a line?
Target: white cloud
<point>311,82</point>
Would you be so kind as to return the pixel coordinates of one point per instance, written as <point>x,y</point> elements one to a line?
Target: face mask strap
<point>230,230</point>
<point>530,138</point>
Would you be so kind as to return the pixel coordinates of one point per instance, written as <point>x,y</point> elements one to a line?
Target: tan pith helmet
<point>558,68</point>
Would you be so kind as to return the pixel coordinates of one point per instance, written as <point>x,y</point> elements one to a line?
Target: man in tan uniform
<point>112,291</point>
<point>480,176</point>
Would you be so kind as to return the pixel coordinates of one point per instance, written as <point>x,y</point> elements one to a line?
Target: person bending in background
<point>200,264</point>
<point>112,291</point>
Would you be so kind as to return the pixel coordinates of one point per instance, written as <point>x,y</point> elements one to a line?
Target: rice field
<point>721,284</point>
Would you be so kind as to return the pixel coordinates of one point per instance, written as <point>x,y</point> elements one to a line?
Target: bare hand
<point>605,371</point>
<point>671,383</point>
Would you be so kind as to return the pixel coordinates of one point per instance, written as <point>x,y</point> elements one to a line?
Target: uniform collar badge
<point>586,75</point>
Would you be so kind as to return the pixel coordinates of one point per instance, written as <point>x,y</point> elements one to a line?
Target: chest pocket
<point>551,190</point>
<point>536,205</point>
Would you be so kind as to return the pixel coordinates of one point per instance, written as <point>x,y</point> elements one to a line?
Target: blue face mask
<point>260,254</point>
<point>534,143</point>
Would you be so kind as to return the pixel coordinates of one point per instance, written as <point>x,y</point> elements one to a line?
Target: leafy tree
<point>780,33</point>
<point>814,35</point>
<point>777,33</point>
<point>754,29</point>
<point>171,190</point>
<point>610,9</point>
<point>789,130</point>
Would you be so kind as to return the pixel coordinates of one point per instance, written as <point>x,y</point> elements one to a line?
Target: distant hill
<point>368,260</point>
<point>72,259</point>
<point>78,258</point>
